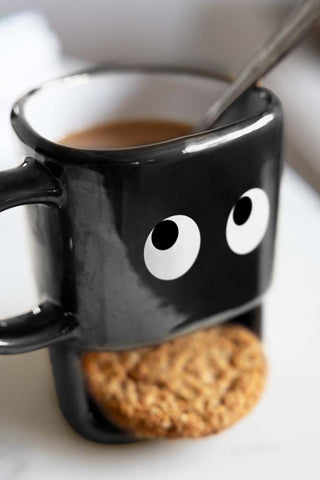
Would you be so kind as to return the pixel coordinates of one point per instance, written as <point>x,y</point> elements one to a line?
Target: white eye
<point>248,221</point>
<point>172,247</point>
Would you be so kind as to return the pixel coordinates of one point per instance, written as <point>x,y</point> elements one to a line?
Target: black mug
<point>133,246</point>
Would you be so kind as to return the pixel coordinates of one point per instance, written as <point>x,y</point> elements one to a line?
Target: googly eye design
<point>172,247</point>
<point>248,221</point>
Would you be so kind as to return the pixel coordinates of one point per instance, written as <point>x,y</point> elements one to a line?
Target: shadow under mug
<point>133,246</point>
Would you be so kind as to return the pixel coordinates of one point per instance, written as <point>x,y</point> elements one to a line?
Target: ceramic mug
<point>133,246</point>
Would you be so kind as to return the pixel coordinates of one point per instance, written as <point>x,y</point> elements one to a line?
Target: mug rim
<point>187,143</point>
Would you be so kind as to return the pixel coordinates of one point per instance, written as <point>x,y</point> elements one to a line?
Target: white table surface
<point>279,439</point>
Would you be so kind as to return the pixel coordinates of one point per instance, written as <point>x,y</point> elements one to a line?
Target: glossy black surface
<point>48,323</point>
<point>93,215</point>
<point>77,407</point>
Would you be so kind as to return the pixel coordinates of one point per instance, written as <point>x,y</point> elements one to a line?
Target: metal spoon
<point>267,56</point>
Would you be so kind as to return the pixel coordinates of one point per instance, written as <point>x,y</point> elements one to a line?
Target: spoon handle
<point>271,52</point>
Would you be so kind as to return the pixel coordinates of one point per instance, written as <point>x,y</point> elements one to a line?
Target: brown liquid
<point>126,134</point>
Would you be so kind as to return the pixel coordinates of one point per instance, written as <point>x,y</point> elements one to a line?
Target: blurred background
<point>41,39</point>
<point>219,34</point>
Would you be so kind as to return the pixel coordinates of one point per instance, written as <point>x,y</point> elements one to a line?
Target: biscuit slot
<point>190,386</point>
<point>251,320</point>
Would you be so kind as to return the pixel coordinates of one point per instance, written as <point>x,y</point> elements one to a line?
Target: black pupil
<point>165,234</point>
<point>242,210</point>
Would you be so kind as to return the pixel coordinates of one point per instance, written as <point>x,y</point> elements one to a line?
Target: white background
<point>212,32</point>
<point>280,438</point>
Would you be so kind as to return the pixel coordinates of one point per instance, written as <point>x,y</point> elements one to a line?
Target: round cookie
<point>191,386</point>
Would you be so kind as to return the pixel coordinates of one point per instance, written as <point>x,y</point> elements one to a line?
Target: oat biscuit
<point>191,386</point>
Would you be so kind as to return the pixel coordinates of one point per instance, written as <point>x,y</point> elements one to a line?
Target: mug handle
<point>47,323</point>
